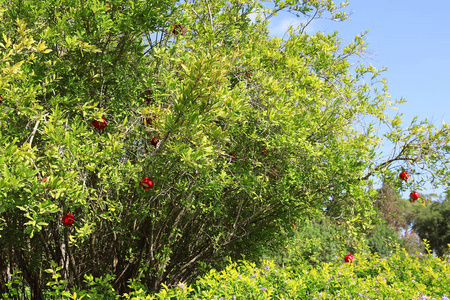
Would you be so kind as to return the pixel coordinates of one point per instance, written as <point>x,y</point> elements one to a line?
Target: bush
<point>237,130</point>
<point>321,241</point>
<point>400,276</point>
<point>316,242</point>
<point>383,240</point>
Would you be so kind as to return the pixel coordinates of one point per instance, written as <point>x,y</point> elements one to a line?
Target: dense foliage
<point>432,223</point>
<point>238,133</point>
<point>401,276</point>
<point>320,241</point>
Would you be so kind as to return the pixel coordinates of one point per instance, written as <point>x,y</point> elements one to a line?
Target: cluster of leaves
<point>218,96</point>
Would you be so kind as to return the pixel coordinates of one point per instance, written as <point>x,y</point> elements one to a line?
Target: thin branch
<point>34,132</point>
<point>210,15</point>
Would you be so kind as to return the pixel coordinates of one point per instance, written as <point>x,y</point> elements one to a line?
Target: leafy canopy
<point>255,132</point>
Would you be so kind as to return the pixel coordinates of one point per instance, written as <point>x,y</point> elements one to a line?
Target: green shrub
<point>383,240</point>
<point>315,242</point>
<point>400,276</point>
<point>253,131</point>
<point>321,241</point>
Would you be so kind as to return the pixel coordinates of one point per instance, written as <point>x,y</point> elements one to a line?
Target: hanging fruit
<point>349,258</point>
<point>149,120</point>
<point>99,125</point>
<point>178,29</point>
<point>146,183</point>
<point>404,176</point>
<point>414,196</point>
<point>68,219</point>
<point>148,96</point>
<point>155,141</point>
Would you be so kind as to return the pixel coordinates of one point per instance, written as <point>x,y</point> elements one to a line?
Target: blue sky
<point>411,38</point>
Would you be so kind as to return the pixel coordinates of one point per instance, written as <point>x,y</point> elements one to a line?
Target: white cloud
<point>279,25</point>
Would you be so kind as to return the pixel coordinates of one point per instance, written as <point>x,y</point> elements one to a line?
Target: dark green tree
<point>433,223</point>
<point>315,241</point>
<point>383,239</point>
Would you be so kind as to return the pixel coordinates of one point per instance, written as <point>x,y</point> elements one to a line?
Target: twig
<point>34,132</point>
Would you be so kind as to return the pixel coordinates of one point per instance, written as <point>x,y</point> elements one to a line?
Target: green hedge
<point>401,276</point>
